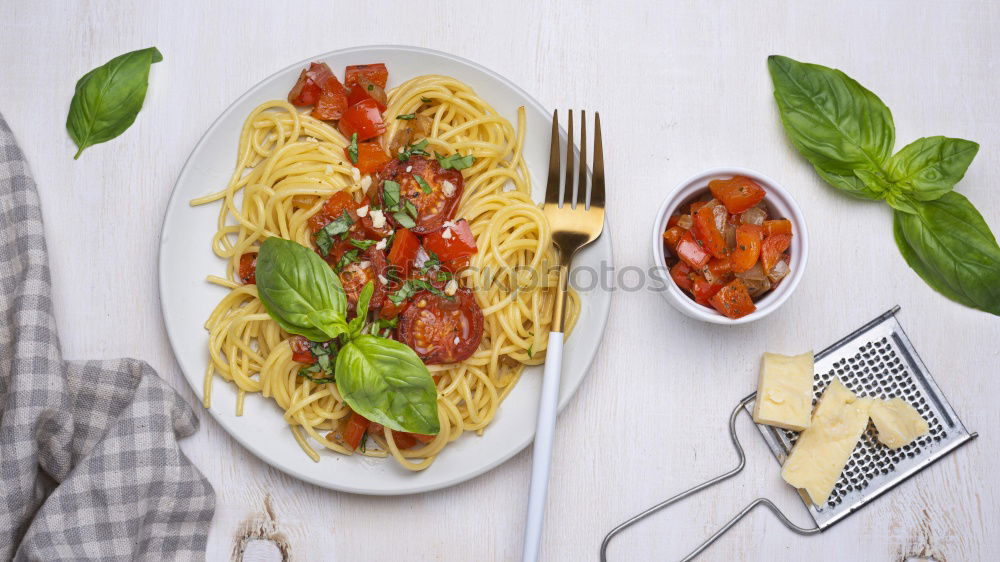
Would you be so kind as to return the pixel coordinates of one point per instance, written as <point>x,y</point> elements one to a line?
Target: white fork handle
<point>542,452</point>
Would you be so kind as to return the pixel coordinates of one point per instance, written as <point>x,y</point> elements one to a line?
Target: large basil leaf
<point>834,122</point>
<point>385,381</point>
<point>300,291</point>
<point>361,310</point>
<point>109,97</point>
<point>950,246</point>
<point>928,168</point>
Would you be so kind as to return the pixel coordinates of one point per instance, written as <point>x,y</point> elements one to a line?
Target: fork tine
<point>597,181</point>
<point>581,183</point>
<point>570,193</point>
<point>552,187</point>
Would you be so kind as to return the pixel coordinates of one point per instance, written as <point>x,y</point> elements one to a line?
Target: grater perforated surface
<point>877,361</point>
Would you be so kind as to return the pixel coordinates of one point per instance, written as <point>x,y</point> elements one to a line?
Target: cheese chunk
<point>784,391</point>
<point>822,451</point>
<point>897,422</point>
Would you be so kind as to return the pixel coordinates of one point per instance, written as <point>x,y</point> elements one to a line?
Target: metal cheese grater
<point>877,360</point>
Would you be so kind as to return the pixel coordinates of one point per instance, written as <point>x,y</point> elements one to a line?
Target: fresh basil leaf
<point>300,291</point>
<point>352,149</point>
<point>947,242</point>
<point>108,98</point>
<point>404,220</point>
<point>407,116</point>
<point>385,381</point>
<point>928,168</point>
<point>358,322</point>
<point>424,186</point>
<point>455,161</point>
<point>834,122</point>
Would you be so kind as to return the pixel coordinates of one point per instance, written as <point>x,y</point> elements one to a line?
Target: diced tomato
<point>738,193</point>
<point>407,440</point>
<point>747,250</point>
<point>332,209</point>
<point>772,248</point>
<point>720,267</point>
<point>672,221</point>
<point>451,242</point>
<point>363,118</point>
<point>703,289</point>
<point>681,274</point>
<point>689,250</point>
<point>697,205</point>
<point>248,268</point>
<point>354,430</point>
<point>301,351</point>
<point>370,157</point>
<point>331,105</point>
<point>377,73</point>
<point>733,300</point>
<point>309,87</point>
<point>456,265</point>
<point>780,226</point>
<point>705,231</point>
<point>366,89</point>
<point>403,252</point>
<point>390,310</point>
<point>672,235</point>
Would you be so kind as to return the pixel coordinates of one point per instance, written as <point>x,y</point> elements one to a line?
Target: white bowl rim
<point>784,204</point>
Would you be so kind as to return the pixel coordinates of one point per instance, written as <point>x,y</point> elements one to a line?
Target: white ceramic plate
<point>187,299</point>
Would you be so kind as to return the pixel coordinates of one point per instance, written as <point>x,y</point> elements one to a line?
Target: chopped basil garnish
<point>455,161</point>
<point>322,371</point>
<point>412,287</point>
<point>404,220</point>
<point>425,100</point>
<point>390,194</point>
<point>413,149</point>
<point>352,149</point>
<point>407,116</point>
<point>433,262</point>
<point>363,244</point>
<point>347,259</point>
<point>422,183</point>
<point>337,227</point>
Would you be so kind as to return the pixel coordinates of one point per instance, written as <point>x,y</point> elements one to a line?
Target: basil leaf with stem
<point>352,148</point>
<point>300,291</point>
<point>834,122</point>
<point>947,242</point>
<point>929,167</point>
<point>108,98</point>
<point>384,381</point>
<point>358,322</point>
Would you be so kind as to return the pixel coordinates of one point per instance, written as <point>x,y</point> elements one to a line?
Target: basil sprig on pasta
<point>109,97</point>
<point>847,134</point>
<point>381,379</point>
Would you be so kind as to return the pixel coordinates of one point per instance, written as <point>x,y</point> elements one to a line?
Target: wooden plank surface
<point>682,87</point>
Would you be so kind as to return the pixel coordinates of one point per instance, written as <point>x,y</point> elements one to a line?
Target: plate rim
<point>599,323</point>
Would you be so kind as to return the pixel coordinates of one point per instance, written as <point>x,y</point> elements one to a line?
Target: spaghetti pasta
<point>288,164</point>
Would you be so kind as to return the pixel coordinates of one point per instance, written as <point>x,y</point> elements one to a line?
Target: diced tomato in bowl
<point>731,244</point>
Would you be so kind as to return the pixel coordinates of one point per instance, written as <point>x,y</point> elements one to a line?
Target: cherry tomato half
<point>437,203</point>
<point>367,269</point>
<point>442,330</point>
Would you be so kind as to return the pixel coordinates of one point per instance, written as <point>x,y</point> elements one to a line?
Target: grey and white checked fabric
<point>90,467</point>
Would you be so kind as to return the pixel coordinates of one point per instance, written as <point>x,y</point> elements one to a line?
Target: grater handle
<point>742,463</point>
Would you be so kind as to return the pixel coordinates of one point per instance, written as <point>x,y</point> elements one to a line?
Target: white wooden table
<point>681,88</point>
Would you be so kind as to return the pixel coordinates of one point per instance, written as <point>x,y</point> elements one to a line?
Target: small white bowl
<point>780,204</point>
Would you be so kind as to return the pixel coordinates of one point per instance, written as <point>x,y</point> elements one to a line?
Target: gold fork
<point>577,219</point>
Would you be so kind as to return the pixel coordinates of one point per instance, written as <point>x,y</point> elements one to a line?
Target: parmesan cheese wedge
<point>822,451</point>
<point>784,391</point>
<point>897,422</point>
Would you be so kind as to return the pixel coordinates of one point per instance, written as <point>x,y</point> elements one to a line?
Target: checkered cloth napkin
<point>90,468</point>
